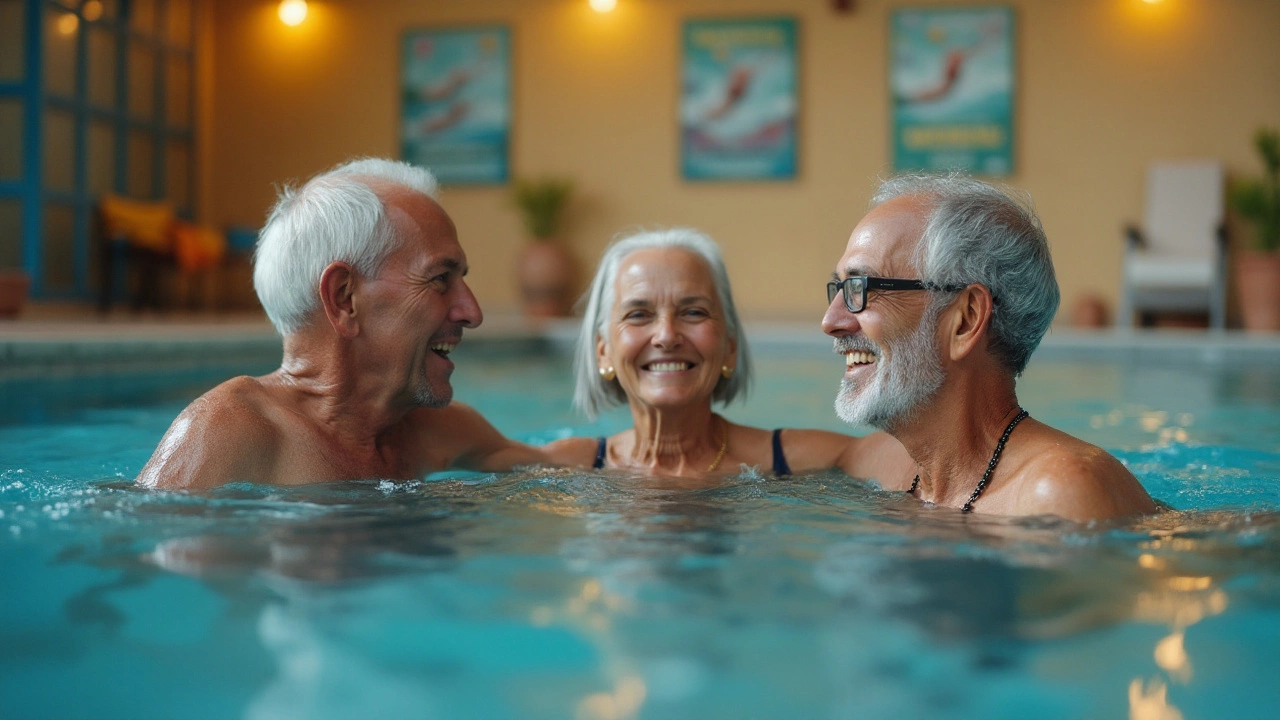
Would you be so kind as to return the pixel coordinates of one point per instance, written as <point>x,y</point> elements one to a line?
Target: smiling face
<point>418,303</point>
<point>891,349</point>
<point>666,335</point>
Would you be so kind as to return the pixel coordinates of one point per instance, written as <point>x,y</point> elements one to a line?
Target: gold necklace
<point>724,445</point>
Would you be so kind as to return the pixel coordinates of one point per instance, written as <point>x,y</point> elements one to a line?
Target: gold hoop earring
<point>726,371</point>
<point>608,374</point>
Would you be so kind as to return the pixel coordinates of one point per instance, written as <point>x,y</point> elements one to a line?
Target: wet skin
<point>1043,470</point>
<point>363,390</point>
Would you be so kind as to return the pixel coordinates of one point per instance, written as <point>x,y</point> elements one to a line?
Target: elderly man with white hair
<point>361,271</point>
<point>944,290</point>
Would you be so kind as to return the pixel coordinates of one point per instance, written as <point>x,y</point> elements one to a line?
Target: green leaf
<point>1257,200</point>
<point>541,203</point>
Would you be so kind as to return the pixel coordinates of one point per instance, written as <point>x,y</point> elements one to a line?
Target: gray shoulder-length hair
<point>591,394</point>
<point>978,233</point>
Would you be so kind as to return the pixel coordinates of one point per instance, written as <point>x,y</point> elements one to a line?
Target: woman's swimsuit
<point>780,466</point>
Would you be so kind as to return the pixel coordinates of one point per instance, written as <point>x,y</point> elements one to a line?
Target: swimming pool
<point>548,594</point>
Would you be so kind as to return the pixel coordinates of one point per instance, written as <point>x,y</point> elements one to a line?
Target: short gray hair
<point>591,394</point>
<point>979,233</point>
<point>336,216</point>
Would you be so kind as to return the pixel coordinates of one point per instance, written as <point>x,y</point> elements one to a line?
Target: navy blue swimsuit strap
<point>780,466</point>
<point>601,445</point>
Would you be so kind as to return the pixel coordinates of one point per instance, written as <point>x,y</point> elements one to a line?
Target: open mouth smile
<point>443,348</point>
<point>667,366</point>
<point>858,358</point>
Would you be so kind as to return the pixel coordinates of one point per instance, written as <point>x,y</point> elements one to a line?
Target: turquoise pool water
<point>550,594</point>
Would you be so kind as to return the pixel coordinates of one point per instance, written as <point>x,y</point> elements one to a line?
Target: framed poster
<point>738,100</point>
<point>951,79</point>
<point>456,103</point>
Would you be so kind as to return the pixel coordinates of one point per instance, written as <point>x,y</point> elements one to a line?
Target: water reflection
<point>608,596</point>
<point>341,540</point>
<point>1150,701</point>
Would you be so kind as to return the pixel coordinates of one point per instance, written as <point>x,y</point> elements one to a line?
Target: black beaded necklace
<point>991,466</point>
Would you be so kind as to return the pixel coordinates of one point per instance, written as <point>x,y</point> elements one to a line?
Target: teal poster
<point>951,78</point>
<point>456,103</point>
<point>738,100</point>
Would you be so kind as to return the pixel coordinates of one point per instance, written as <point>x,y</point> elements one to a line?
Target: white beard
<point>901,385</point>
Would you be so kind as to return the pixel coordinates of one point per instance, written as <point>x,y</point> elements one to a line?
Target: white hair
<point>978,233</point>
<point>591,394</point>
<point>336,216</point>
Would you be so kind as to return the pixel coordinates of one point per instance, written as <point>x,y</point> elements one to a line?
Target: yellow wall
<point>1104,87</point>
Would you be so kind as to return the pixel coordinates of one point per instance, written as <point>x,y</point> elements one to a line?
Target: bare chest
<point>310,456</point>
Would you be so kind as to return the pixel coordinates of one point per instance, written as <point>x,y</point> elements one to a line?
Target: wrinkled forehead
<point>884,241</point>
<point>664,271</point>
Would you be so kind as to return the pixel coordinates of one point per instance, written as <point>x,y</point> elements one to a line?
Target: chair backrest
<point>1184,208</point>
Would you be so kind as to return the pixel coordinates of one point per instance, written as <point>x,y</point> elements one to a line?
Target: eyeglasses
<point>855,289</point>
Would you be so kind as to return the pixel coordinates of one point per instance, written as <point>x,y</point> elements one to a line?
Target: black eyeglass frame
<point>879,283</point>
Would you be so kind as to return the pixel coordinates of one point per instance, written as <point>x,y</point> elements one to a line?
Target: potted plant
<point>546,268</point>
<point>1258,266</point>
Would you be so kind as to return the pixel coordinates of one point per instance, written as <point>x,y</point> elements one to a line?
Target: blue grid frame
<point>31,189</point>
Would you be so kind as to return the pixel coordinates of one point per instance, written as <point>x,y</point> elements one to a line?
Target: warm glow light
<point>91,10</point>
<point>1171,656</point>
<point>1188,584</point>
<point>1151,562</point>
<point>603,6</point>
<point>1151,701</point>
<point>624,702</point>
<point>292,12</point>
<point>1151,2</point>
<point>67,24</point>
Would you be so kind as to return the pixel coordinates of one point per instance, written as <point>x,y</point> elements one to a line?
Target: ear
<point>337,295</point>
<point>731,358</point>
<point>966,321</point>
<point>602,353</point>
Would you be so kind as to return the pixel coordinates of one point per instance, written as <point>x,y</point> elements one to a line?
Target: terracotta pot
<point>1258,281</point>
<point>13,292</point>
<point>546,273</point>
<point>1090,311</point>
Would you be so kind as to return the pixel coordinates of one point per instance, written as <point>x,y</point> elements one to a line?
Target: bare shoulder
<point>814,449</point>
<point>877,456</point>
<point>224,435</point>
<point>1065,476</point>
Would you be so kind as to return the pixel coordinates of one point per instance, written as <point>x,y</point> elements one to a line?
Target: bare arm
<point>880,457</point>
<point>479,446</point>
<point>876,456</point>
<point>573,452</point>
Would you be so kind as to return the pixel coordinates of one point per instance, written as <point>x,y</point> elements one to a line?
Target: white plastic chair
<point>1177,260</point>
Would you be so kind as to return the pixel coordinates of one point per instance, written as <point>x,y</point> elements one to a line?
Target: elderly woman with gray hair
<point>661,334</point>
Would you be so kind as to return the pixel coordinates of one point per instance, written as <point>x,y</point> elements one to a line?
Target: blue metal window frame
<point>34,197</point>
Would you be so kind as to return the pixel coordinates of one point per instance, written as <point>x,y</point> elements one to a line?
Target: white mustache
<point>853,343</point>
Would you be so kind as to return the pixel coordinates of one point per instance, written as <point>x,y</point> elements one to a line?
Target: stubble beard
<point>901,387</point>
<point>425,397</point>
<point>433,392</point>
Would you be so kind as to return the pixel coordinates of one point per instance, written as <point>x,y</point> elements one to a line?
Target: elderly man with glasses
<point>944,290</point>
